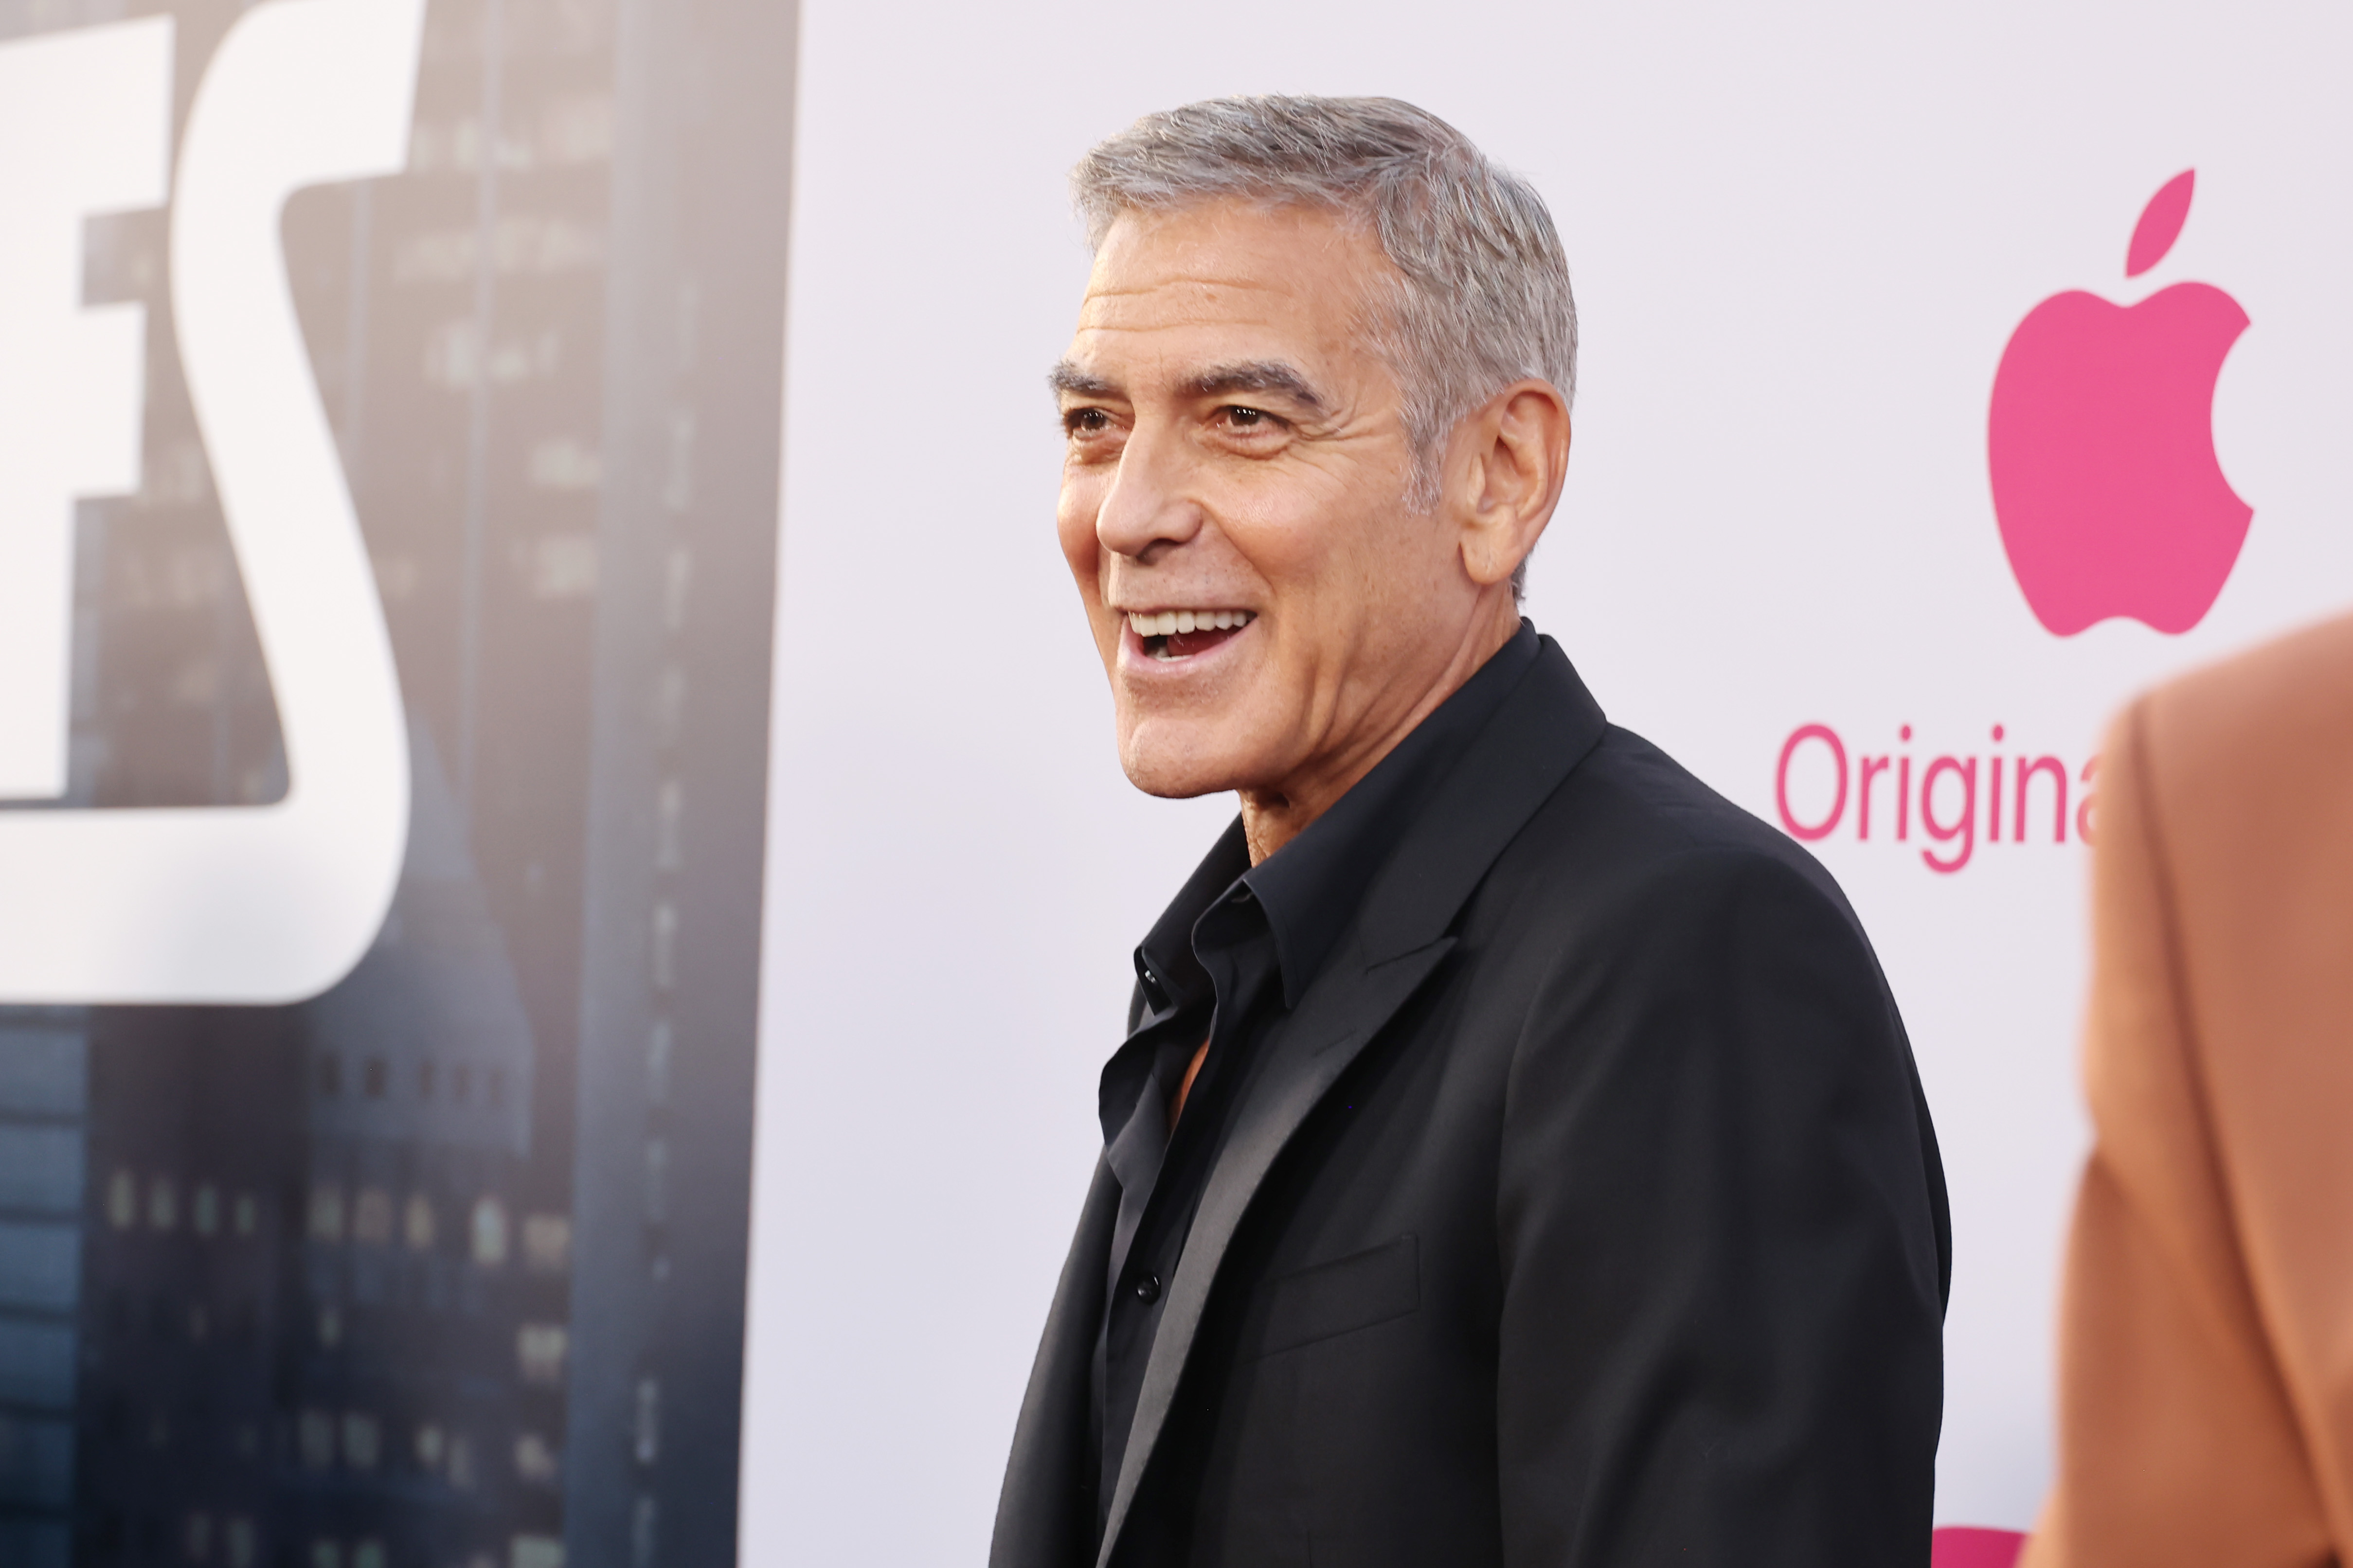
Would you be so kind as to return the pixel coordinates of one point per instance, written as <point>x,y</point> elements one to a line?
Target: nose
<point>1148,511</point>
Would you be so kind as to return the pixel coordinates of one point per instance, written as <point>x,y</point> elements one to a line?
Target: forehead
<point>1228,280</point>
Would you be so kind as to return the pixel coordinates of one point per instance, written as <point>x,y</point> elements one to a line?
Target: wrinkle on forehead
<point>1203,293</point>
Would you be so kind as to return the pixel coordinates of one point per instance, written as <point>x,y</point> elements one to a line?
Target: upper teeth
<point>1168,622</point>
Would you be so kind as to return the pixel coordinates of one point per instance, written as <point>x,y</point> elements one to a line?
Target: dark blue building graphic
<point>443,1268</point>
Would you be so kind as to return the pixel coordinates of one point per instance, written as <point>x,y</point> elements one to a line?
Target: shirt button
<point>1148,1289</point>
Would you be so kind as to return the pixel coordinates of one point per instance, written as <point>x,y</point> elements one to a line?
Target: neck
<point>1273,817</point>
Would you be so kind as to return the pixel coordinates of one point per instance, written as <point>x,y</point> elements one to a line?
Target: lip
<point>1136,665</point>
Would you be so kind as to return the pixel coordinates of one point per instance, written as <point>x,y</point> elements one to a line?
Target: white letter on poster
<point>85,128</point>
<point>275,903</point>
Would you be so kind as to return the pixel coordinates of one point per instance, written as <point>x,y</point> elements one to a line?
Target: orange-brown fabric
<point>2206,1338</point>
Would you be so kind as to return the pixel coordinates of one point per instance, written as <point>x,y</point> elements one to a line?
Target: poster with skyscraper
<point>389,412</point>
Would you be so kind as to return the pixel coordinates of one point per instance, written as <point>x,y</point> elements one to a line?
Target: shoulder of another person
<point>2267,725</point>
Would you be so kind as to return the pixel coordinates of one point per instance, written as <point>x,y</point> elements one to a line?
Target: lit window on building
<point>372,1217</point>
<point>330,1327</point>
<point>535,1459</point>
<point>416,1222</point>
<point>678,581</point>
<point>660,1047</point>
<point>490,1232</point>
<point>461,1463</point>
<point>539,1352</point>
<point>669,812</point>
<point>122,1200</point>
<point>326,1555</point>
<point>665,939</point>
<point>657,1181</point>
<point>648,1443</point>
<point>535,1551</point>
<point>315,1436</point>
<point>644,1534</point>
<point>242,1541</point>
<point>248,1215</point>
<point>204,1210</point>
<point>368,1554</point>
<point>363,1440</point>
<point>547,1242</point>
<point>432,1447</point>
<point>163,1204</point>
<point>196,1537</point>
<point>327,1212</point>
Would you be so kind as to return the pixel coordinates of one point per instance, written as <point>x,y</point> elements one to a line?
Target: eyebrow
<point>1218,381</point>
<point>1256,375</point>
<point>1066,377</point>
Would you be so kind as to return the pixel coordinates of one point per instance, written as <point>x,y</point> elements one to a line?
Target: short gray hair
<point>1485,299</point>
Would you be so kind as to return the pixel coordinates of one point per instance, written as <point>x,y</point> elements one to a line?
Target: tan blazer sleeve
<point>2176,1442</point>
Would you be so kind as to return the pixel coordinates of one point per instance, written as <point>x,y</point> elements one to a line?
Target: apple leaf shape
<point>2160,223</point>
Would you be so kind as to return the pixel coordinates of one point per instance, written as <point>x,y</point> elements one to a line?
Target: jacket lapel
<point>1046,1514</point>
<point>1336,1019</point>
<point>1539,735</point>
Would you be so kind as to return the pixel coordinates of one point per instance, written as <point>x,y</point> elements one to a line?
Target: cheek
<point>1075,525</point>
<point>1306,559</point>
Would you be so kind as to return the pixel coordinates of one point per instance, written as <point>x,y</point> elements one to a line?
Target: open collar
<point>1539,733</point>
<point>1311,887</point>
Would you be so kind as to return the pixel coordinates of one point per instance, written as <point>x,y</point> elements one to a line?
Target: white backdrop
<point>1801,237</point>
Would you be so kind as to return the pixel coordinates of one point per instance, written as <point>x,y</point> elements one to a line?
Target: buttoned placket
<point>1146,1248</point>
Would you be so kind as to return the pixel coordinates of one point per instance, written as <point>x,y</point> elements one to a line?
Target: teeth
<point>1168,623</point>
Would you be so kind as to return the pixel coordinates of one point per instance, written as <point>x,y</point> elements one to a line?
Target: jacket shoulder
<point>1631,831</point>
<point>2270,729</point>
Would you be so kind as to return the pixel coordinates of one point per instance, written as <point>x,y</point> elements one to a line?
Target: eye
<point>1241,422</point>
<point>1085,421</point>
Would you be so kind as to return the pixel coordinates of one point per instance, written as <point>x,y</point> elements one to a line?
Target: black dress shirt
<point>1228,960</point>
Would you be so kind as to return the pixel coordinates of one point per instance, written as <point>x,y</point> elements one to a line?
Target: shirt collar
<point>1311,888</point>
<point>1172,977</point>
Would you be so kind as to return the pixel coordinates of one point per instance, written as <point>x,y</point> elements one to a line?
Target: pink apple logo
<point>2101,442</point>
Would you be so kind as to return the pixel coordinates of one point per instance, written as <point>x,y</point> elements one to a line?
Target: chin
<point>1168,761</point>
<point>1174,780</point>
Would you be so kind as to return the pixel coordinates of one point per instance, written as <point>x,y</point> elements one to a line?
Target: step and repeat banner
<point>431,781</point>
<point>389,401</point>
<point>1949,374</point>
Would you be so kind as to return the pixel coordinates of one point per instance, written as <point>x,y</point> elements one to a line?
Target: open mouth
<point>1181,634</point>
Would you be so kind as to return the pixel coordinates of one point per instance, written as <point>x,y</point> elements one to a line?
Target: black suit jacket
<point>1588,1213</point>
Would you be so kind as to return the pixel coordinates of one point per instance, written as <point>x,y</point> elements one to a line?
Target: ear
<point>1506,465</point>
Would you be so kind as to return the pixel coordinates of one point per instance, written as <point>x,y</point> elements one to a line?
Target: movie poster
<point>389,423</point>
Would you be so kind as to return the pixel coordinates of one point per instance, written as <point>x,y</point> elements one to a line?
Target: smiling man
<point>1515,1156</point>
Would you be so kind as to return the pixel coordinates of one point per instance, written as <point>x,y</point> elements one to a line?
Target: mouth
<point>1185,634</point>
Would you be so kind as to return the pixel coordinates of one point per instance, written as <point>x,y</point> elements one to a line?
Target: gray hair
<point>1484,298</point>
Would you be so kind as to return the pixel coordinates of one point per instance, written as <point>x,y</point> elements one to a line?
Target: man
<point>1515,1156</point>
<point>2205,1394</point>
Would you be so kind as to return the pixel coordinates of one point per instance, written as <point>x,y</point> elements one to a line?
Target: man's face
<point>1238,460</point>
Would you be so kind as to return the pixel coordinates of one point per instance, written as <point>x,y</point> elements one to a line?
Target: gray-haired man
<point>1515,1156</point>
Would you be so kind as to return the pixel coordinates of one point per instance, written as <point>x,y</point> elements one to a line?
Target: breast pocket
<point>1342,1295</point>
